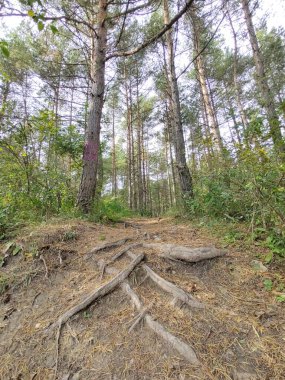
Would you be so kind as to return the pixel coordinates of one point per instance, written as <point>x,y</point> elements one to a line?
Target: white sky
<point>274,8</point>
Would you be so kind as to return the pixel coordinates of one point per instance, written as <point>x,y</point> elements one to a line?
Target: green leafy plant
<point>87,314</point>
<point>276,243</point>
<point>70,235</point>
<point>4,48</point>
<point>268,284</point>
<point>280,298</point>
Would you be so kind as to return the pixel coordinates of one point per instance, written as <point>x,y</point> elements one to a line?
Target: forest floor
<point>240,334</point>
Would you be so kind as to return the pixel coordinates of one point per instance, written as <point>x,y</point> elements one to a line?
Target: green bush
<point>110,209</point>
<point>251,190</point>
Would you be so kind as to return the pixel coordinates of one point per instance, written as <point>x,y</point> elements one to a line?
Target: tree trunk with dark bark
<point>185,179</point>
<point>92,134</point>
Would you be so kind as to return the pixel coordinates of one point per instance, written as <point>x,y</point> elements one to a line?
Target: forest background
<point>192,120</point>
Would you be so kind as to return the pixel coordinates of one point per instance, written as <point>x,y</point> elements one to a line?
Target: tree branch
<point>154,38</point>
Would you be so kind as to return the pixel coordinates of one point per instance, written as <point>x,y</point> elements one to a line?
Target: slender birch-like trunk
<point>206,97</point>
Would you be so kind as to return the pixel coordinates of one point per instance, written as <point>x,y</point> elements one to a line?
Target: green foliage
<point>251,190</point>
<point>233,236</point>
<point>70,235</point>
<point>280,298</point>
<point>4,48</point>
<point>275,285</point>
<point>276,243</point>
<point>110,209</point>
<point>268,284</point>
<point>53,29</point>
<point>7,222</point>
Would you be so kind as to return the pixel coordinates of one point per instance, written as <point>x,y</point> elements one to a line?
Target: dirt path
<point>239,335</point>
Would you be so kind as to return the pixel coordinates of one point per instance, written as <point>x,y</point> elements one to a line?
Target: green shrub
<point>110,209</point>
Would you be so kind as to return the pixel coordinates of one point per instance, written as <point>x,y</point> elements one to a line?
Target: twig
<point>60,258</point>
<point>35,297</point>
<point>72,333</point>
<point>57,350</point>
<point>46,268</point>
<point>102,271</point>
<point>116,257</point>
<point>138,318</point>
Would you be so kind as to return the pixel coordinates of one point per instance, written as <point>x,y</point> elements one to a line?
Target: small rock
<point>258,266</point>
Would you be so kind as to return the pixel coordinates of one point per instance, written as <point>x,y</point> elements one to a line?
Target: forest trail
<point>239,333</point>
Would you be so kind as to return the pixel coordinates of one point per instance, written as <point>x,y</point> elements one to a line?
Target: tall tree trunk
<point>129,147</point>
<point>92,135</point>
<point>238,90</point>
<point>185,179</point>
<point>139,147</point>
<point>200,67</point>
<point>267,98</point>
<point>114,166</point>
<point>168,170</point>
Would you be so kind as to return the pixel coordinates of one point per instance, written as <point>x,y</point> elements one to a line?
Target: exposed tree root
<point>178,293</point>
<point>116,257</point>
<point>45,265</point>
<point>139,318</point>
<point>106,247</point>
<point>169,287</point>
<point>123,251</point>
<point>102,291</point>
<point>184,349</point>
<point>192,255</point>
<point>57,350</point>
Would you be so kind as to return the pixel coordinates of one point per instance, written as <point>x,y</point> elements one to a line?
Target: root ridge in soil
<point>136,307</point>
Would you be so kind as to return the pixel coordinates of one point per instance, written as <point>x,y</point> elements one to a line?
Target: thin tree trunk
<point>267,98</point>
<point>238,90</point>
<point>139,148</point>
<point>114,167</point>
<point>129,149</point>
<point>211,118</point>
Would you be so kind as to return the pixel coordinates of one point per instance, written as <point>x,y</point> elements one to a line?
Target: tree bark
<point>267,98</point>
<point>206,97</point>
<point>114,163</point>
<point>92,135</point>
<point>238,90</point>
<point>185,179</point>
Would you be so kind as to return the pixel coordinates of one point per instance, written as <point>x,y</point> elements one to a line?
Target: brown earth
<point>239,335</point>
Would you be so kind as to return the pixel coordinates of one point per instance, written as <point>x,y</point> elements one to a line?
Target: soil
<point>239,335</point>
